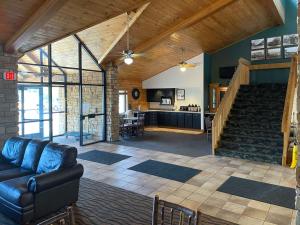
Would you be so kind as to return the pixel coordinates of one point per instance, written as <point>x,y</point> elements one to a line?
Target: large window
<point>62,97</point>
<point>123,101</point>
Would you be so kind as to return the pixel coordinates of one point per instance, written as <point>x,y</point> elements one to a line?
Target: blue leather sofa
<point>37,178</point>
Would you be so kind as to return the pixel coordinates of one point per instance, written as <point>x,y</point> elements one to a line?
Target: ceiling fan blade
<point>137,55</point>
<point>189,65</point>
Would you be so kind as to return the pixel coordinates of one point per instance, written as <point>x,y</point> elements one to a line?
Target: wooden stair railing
<point>288,108</point>
<point>240,77</point>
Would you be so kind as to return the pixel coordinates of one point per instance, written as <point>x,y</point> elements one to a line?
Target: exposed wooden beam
<point>133,17</point>
<point>36,21</point>
<point>200,15</point>
<point>277,10</point>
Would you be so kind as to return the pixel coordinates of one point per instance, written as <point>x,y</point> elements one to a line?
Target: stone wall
<point>112,103</point>
<point>8,98</point>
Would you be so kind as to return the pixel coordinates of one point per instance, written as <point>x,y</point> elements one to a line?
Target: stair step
<point>252,111</point>
<point>251,118</point>
<point>253,140</point>
<point>270,106</point>
<point>249,156</point>
<point>253,125</point>
<point>253,132</point>
<point>254,148</point>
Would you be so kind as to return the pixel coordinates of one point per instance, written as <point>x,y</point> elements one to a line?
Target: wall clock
<point>135,93</point>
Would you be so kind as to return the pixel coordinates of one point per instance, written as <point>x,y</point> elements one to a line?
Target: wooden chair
<point>139,125</point>
<point>208,126</point>
<point>169,213</point>
<point>125,128</point>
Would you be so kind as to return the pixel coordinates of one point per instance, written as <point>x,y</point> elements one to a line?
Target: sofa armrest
<point>46,181</point>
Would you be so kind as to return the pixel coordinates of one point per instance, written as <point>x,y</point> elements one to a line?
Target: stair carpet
<point>253,128</point>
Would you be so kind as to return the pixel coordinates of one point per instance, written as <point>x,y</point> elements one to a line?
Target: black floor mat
<point>166,170</point>
<point>259,191</point>
<point>102,157</point>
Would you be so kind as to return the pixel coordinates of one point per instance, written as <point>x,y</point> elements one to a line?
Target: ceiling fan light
<point>183,69</point>
<point>128,60</point>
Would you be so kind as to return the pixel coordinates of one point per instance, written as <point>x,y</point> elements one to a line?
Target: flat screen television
<point>226,72</point>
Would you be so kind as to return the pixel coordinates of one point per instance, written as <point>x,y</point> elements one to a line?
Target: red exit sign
<point>9,75</point>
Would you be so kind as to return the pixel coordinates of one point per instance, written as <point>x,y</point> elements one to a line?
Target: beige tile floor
<point>200,191</point>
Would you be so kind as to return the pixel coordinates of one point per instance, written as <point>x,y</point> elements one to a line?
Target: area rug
<point>166,170</point>
<point>102,204</point>
<point>259,191</point>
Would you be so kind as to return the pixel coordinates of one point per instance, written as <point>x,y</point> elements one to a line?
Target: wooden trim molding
<point>35,22</point>
<point>285,65</point>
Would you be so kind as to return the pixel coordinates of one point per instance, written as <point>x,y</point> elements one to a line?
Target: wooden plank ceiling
<point>159,31</point>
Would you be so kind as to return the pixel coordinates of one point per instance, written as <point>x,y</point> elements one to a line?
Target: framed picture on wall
<point>258,55</point>
<point>180,93</point>
<point>274,42</point>
<point>258,44</point>
<point>290,51</point>
<point>274,53</point>
<point>291,39</point>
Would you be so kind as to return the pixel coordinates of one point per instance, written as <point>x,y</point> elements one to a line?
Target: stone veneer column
<point>112,103</point>
<point>8,98</point>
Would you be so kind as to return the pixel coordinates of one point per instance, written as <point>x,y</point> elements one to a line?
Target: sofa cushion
<point>32,154</point>
<point>15,191</point>
<point>56,157</point>
<point>13,173</point>
<point>14,149</point>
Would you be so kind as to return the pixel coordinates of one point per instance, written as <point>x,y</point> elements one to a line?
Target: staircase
<point>253,127</point>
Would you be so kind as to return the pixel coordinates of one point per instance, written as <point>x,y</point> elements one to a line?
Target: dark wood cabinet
<point>180,120</point>
<point>188,120</point>
<point>196,121</point>
<point>173,119</point>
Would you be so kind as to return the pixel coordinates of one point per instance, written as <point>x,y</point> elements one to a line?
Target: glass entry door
<point>33,111</point>
<point>92,119</point>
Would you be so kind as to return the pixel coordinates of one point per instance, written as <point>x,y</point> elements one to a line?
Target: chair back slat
<point>164,212</point>
<point>162,215</point>
<point>181,218</point>
<point>189,220</point>
<point>171,217</point>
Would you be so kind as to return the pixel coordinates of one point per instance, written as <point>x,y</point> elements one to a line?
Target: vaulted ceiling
<point>158,30</point>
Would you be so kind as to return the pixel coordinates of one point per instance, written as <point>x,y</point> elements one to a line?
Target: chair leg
<point>71,215</point>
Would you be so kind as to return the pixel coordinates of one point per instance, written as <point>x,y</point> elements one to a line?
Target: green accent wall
<point>229,56</point>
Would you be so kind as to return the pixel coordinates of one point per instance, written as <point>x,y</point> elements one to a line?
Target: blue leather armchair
<point>37,178</point>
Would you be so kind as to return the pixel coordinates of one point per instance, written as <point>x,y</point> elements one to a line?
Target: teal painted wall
<point>229,56</point>
<point>207,66</point>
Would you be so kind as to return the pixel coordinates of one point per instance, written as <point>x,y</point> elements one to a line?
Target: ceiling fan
<point>128,55</point>
<point>183,65</point>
